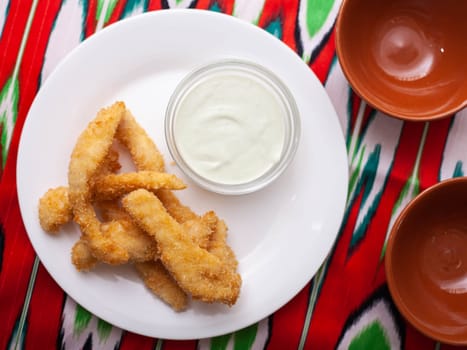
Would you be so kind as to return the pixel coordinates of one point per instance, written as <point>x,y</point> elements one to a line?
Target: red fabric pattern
<point>44,321</point>
<point>14,277</point>
<point>347,284</point>
<point>10,40</point>
<point>91,20</point>
<point>180,345</point>
<point>132,341</point>
<point>322,63</point>
<point>286,11</point>
<point>287,322</point>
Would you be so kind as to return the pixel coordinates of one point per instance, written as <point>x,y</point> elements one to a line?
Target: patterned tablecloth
<point>346,305</point>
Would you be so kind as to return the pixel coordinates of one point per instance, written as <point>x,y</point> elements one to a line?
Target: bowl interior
<point>405,57</point>
<point>426,262</point>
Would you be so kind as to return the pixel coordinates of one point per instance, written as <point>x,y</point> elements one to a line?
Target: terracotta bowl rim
<point>393,289</point>
<point>365,94</point>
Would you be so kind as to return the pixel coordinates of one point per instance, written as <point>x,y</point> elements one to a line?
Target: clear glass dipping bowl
<point>291,120</point>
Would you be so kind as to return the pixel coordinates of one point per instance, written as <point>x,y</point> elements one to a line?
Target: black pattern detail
<point>268,340</point>
<point>165,4</point>
<point>380,294</point>
<point>60,339</point>
<point>298,38</point>
<point>61,335</point>
<point>315,53</point>
<point>88,344</point>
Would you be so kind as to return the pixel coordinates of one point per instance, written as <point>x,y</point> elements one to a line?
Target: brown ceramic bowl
<point>406,58</point>
<point>426,262</point>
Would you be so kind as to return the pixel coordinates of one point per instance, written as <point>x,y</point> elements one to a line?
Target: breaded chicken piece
<point>123,232</point>
<point>198,272</point>
<point>55,209</point>
<point>81,256</point>
<point>111,163</point>
<point>140,246</point>
<point>175,208</point>
<point>114,186</point>
<point>156,277</point>
<point>88,155</point>
<point>147,156</point>
<point>200,229</point>
<point>218,245</point>
<point>143,150</point>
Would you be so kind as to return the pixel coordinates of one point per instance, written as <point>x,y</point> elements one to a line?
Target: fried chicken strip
<point>142,250</point>
<point>180,212</point>
<point>140,246</point>
<point>198,272</point>
<point>143,150</point>
<point>147,156</point>
<point>88,155</point>
<point>156,277</point>
<point>115,185</point>
<point>121,230</point>
<point>55,209</point>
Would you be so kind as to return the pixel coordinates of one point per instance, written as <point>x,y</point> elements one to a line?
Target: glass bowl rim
<point>291,118</point>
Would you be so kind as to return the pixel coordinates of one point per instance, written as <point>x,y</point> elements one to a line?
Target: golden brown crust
<point>55,209</point>
<point>88,155</point>
<point>175,251</point>
<point>198,272</point>
<point>176,209</point>
<point>143,150</point>
<point>81,256</point>
<point>113,186</point>
<point>156,277</point>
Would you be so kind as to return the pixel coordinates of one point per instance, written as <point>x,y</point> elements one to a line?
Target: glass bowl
<point>232,126</point>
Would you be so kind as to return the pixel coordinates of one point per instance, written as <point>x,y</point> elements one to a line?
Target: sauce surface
<point>230,128</point>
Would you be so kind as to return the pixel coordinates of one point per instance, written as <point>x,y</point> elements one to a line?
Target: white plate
<point>281,235</point>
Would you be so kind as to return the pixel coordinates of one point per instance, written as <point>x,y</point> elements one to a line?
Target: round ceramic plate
<point>281,234</point>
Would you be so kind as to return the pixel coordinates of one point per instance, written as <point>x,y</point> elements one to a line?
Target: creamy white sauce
<point>230,128</point>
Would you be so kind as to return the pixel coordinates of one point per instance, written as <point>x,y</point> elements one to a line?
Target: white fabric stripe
<point>248,10</point>
<point>68,26</point>
<point>456,148</point>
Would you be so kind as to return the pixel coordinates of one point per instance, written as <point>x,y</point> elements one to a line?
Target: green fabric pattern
<point>356,171</point>
<point>220,342</point>
<point>103,329</point>
<point>372,337</point>
<point>82,319</point>
<point>244,338</point>
<point>316,14</point>
<point>8,111</point>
